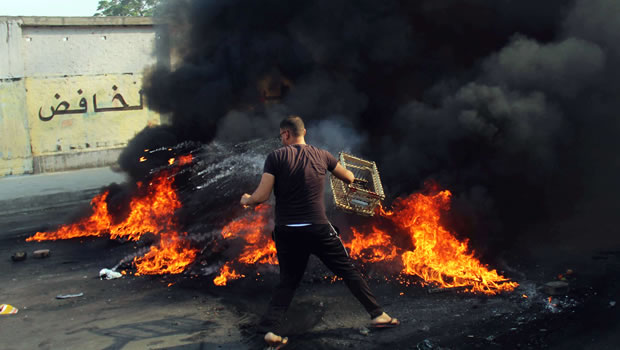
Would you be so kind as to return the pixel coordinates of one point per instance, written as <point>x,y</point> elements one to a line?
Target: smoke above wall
<point>512,105</point>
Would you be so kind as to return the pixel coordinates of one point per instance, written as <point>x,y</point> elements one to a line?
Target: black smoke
<point>513,105</point>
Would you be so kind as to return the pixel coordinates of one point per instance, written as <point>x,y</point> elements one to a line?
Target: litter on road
<point>67,296</point>
<point>107,274</point>
<point>41,253</point>
<point>19,256</point>
<point>6,309</point>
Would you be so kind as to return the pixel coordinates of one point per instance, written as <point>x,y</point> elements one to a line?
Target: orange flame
<point>373,247</point>
<point>259,247</point>
<point>184,160</point>
<point>226,274</point>
<point>251,224</point>
<point>150,212</point>
<point>171,256</point>
<point>92,226</point>
<point>438,256</point>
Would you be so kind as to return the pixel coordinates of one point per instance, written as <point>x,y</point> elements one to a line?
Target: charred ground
<point>187,312</point>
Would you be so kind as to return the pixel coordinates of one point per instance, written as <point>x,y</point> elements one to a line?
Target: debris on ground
<point>68,296</point>
<point>6,309</point>
<point>364,331</point>
<point>19,256</point>
<point>108,274</point>
<point>448,289</point>
<point>425,345</point>
<point>41,253</point>
<point>567,276</point>
<point>556,288</point>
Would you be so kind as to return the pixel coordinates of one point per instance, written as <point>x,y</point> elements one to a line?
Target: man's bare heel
<point>274,341</point>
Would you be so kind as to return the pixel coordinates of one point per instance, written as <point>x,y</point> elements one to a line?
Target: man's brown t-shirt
<point>299,172</point>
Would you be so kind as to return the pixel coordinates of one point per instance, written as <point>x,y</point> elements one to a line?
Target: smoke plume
<point>510,104</point>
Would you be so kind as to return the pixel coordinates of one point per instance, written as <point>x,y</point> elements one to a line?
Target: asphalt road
<point>36,202</point>
<point>187,312</point>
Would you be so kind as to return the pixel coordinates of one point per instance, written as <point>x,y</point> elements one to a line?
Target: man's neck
<point>299,141</point>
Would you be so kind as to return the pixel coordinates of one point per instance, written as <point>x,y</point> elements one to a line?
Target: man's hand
<point>262,191</point>
<point>245,200</point>
<point>343,174</point>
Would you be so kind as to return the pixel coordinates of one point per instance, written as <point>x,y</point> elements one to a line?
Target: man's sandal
<point>391,323</point>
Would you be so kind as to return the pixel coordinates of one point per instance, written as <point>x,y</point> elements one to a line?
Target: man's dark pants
<point>294,246</point>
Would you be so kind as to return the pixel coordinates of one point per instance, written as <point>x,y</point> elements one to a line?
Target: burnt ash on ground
<point>324,315</point>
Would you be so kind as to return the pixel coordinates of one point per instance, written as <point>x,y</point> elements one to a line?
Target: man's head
<point>292,130</point>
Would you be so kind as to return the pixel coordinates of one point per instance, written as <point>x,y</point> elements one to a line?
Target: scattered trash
<point>6,309</point>
<point>67,296</point>
<point>559,304</point>
<point>470,336</point>
<point>612,303</point>
<point>364,331</point>
<point>556,288</point>
<point>19,256</point>
<point>567,276</point>
<point>41,253</point>
<point>513,329</point>
<point>425,328</point>
<point>490,338</point>
<point>108,274</point>
<point>425,345</point>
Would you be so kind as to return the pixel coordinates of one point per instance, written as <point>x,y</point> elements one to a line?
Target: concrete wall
<point>15,152</point>
<point>11,62</point>
<point>59,51</point>
<point>70,90</point>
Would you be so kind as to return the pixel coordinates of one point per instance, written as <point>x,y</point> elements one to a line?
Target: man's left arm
<point>261,193</point>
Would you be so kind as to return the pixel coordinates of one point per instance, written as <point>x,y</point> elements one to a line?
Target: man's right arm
<point>343,174</point>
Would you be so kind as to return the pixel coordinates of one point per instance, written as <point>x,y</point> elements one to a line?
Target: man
<point>296,173</point>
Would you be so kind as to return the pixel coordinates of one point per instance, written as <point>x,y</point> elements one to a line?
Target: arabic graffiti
<point>64,107</point>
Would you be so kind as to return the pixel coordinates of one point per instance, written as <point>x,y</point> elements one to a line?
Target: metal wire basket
<point>366,191</point>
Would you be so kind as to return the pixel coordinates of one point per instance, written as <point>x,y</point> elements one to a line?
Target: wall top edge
<point>43,21</point>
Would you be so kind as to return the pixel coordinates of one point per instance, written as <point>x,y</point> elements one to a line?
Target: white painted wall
<point>68,51</point>
<point>11,62</point>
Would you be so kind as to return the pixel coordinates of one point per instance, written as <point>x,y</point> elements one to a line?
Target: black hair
<point>294,124</point>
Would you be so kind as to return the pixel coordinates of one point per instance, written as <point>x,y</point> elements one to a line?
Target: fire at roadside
<point>409,239</point>
<point>209,240</point>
